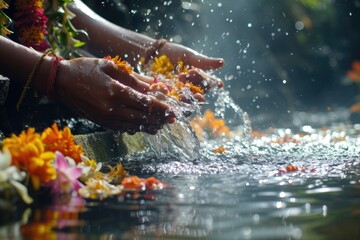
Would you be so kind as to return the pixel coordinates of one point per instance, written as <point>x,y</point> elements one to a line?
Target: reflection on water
<point>246,192</point>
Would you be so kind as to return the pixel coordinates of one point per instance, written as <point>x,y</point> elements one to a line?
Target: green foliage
<point>62,33</point>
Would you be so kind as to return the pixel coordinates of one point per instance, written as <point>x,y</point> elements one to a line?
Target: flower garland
<point>30,24</point>
<point>41,26</point>
<point>54,162</point>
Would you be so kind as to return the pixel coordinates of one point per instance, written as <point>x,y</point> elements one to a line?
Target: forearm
<point>17,62</point>
<point>106,38</point>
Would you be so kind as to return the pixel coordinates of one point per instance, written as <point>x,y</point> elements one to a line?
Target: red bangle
<point>55,64</point>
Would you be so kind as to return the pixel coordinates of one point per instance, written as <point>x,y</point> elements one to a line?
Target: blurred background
<point>283,58</point>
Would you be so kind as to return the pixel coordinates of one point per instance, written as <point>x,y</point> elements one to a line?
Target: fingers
<point>204,62</point>
<point>200,78</point>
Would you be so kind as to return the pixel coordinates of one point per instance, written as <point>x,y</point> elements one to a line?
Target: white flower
<point>10,174</point>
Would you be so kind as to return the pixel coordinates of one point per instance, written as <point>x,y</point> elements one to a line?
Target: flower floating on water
<point>99,189</point>
<point>136,183</point>
<point>220,149</point>
<point>29,155</point>
<point>62,141</point>
<point>294,168</point>
<point>122,64</point>
<point>90,169</point>
<point>67,177</point>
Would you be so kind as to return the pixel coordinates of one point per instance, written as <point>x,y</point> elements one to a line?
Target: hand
<point>198,62</point>
<point>98,90</point>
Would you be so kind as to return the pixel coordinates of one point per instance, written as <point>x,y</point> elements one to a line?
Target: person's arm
<point>106,38</point>
<point>95,88</point>
<point>17,62</point>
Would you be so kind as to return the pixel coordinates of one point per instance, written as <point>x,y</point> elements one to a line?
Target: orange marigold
<point>28,153</point>
<point>178,86</point>
<point>136,183</point>
<point>122,64</point>
<point>62,141</point>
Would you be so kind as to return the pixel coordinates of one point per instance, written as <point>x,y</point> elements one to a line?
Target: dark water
<point>243,193</point>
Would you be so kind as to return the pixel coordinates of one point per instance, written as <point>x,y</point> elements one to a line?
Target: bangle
<point>31,76</point>
<point>55,64</point>
<point>154,49</point>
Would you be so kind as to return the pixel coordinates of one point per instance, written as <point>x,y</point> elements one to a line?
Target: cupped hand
<point>98,90</point>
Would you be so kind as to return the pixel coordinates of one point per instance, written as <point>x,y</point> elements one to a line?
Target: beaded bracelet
<point>154,49</point>
<point>55,63</point>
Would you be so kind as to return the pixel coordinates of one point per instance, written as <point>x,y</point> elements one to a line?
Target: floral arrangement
<point>30,24</point>
<point>51,161</point>
<point>41,26</point>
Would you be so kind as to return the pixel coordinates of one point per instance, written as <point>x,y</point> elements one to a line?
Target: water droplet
<point>299,25</point>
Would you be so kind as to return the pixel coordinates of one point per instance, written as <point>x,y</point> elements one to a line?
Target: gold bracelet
<point>154,49</point>
<point>31,76</point>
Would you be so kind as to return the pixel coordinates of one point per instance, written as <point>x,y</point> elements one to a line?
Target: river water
<point>278,184</point>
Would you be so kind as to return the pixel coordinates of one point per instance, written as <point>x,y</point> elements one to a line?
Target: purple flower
<point>66,177</point>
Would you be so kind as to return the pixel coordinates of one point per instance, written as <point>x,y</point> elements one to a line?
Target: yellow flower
<point>32,34</point>
<point>28,154</point>
<point>21,4</point>
<point>116,173</point>
<point>62,141</point>
<point>162,65</point>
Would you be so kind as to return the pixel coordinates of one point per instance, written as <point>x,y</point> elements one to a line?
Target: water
<point>244,192</point>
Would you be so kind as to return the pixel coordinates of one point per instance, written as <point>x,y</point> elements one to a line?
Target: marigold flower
<point>30,22</point>
<point>62,141</point>
<point>122,64</point>
<point>29,154</point>
<point>136,183</point>
<point>162,65</point>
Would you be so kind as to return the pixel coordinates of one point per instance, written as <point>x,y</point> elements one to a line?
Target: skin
<point>96,88</point>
